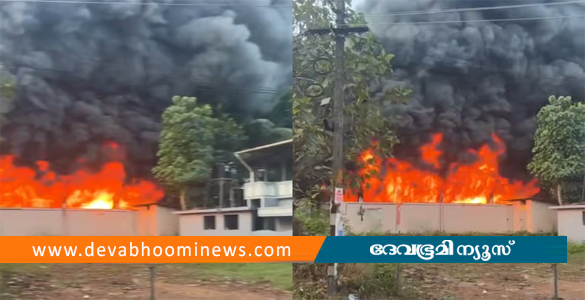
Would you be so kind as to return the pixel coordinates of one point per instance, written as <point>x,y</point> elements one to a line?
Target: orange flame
<point>479,182</point>
<point>25,187</point>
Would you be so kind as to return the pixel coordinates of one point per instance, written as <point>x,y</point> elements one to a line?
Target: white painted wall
<point>377,217</point>
<point>265,189</point>
<point>519,216</point>
<point>540,218</point>
<point>167,222</point>
<point>156,221</point>
<point>88,222</point>
<point>460,218</point>
<point>284,224</point>
<point>98,222</point>
<point>27,222</point>
<point>451,218</point>
<point>145,225</point>
<point>418,217</point>
<point>286,203</point>
<point>272,233</point>
<point>570,224</point>
<point>192,224</point>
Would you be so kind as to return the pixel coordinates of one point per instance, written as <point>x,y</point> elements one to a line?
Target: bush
<point>314,222</point>
<point>367,281</point>
<point>573,248</point>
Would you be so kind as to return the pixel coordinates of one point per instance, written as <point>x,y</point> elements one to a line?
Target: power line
<point>142,3</point>
<point>421,12</point>
<point>473,21</point>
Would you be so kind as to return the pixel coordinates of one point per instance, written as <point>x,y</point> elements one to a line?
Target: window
<point>255,203</point>
<point>288,172</point>
<point>270,224</point>
<point>260,175</point>
<point>231,222</point>
<point>583,217</point>
<point>274,173</point>
<point>209,222</point>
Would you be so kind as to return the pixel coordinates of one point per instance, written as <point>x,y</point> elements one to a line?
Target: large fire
<point>42,188</point>
<point>393,180</point>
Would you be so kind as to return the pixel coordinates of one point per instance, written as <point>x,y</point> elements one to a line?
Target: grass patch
<point>378,281</point>
<point>16,277</point>
<point>19,280</point>
<point>367,281</point>
<point>576,249</point>
<point>36,270</point>
<point>278,275</point>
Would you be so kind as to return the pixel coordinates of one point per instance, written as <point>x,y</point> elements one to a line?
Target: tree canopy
<point>193,136</point>
<point>559,149</point>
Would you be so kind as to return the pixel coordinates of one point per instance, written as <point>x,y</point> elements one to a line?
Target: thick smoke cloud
<point>472,79</point>
<point>89,73</point>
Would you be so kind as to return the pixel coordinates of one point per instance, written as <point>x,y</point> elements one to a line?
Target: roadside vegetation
<point>132,281</point>
<point>484,281</point>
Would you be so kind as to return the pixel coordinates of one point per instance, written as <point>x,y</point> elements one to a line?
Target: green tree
<point>366,64</point>
<point>559,145</point>
<point>192,138</point>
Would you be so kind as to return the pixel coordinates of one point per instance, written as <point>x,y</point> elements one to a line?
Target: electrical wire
<point>471,21</point>
<point>424,12</point>
<point>141,3</point>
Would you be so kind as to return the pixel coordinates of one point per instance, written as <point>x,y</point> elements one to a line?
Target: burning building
<point>480,71</point>
<point>477,182</point>
<point>38,201</point>
<point>106,188</point>
<point>92,79</point>
<point>398,196</point>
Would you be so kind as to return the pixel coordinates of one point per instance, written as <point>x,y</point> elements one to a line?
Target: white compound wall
<point>528,216</point>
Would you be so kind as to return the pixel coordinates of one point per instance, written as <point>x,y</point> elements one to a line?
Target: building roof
<point>570,206</point>
<point>543,200</point>
<point>209,211</point>
<point>268,152</point>
<point>164,202</point>
<point>265,147</point>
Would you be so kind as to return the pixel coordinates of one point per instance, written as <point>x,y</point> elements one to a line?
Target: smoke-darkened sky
<point>472,78</point>
<point>91,72</point>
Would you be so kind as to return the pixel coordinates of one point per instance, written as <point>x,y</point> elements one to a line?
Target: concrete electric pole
<point>340,30</point>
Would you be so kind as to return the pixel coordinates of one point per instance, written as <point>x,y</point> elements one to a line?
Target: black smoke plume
<point>87,73</point>
<point>472,79</point>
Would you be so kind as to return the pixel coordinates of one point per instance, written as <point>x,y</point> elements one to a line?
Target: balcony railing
<point>261,189</point>
<point>275,211</point>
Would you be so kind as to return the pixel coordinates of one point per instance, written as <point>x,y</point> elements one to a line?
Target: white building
<point>267,207</point>
<point>571,222</point>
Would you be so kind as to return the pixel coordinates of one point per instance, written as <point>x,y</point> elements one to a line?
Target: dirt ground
<point>498,281</point>
<point>112,282</point>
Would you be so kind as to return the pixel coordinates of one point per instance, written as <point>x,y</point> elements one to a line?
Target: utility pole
<point>340,30</point>
<point>338,112</point>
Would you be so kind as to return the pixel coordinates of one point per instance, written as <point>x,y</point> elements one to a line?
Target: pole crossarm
<point>341,30</point>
